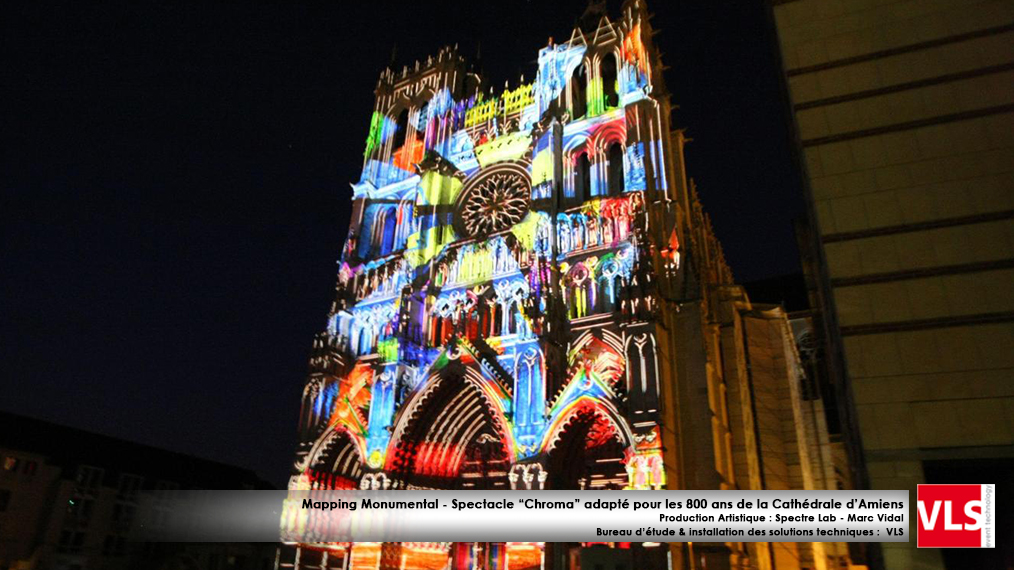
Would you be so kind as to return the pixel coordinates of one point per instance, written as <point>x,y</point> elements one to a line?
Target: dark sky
<point>176,190</point>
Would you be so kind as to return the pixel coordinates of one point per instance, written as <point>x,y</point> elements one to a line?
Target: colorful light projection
<point>381,129</point>
<point>486,316</point>
<point>635,73</point>
<point>353,400</point>
<point>595,367</point>
<point>557,64</point>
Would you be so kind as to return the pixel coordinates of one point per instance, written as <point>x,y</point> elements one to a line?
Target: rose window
<point>494,201</point>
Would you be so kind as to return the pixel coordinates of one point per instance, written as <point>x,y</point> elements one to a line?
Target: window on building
<point>5,499</point>
<point>401,130</point>
<point>79,510</point>
<point>30,467</point>
<point>89,479</point>
<point>310,558</point>
<point>614,168</point>
<point>287,556</point>
<point>609,93</point>
<point>389,219</point>
<point>130,486</point>
<point>335,562</point>
<point>578,92</point>
<point>582,177</point>
<point>10,463</point>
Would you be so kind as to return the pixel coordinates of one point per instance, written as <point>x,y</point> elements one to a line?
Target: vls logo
<point>956,516</point>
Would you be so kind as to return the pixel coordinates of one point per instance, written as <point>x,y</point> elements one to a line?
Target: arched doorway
<point>335,462</point>
<point>453,437</point>
<point>588,451</point>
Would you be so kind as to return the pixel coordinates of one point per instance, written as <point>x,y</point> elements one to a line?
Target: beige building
<point>767,416</point>
<point>905,118</point>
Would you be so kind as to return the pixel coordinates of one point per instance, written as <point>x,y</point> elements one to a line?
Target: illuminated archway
<point>586,448</point>
<point>334,462</point>
<point>452,435</point>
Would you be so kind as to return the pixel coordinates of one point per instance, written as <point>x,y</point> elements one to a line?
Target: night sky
<point>176,190</point>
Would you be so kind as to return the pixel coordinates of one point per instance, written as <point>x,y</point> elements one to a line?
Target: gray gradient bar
<point>527,516</point>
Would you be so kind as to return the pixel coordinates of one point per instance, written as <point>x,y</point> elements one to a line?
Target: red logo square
<point>955,516</point>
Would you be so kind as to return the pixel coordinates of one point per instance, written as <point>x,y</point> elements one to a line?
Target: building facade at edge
<point>72,500</point>
<point>904,119</point>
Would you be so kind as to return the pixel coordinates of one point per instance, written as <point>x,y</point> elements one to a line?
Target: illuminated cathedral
<point>530,297</point>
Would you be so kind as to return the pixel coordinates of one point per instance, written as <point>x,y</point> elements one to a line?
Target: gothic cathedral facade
<point>527,299</point>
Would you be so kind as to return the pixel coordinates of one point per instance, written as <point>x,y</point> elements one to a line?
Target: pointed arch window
<point>614,168</point>
<point>608,72</point>
<point>581,289</point>
<point>578,92</point>
<point>528,388</point>
<point>582,177</point>
<point>390,228</point>
<point>401,129</point>
<point>496,327</point>
<point>513,316</point>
